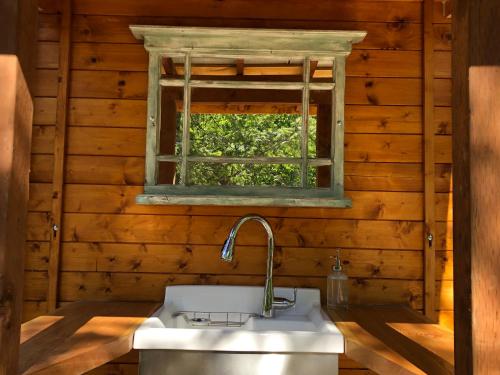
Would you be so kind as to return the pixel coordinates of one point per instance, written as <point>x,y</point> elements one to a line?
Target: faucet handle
<point>282,303</point>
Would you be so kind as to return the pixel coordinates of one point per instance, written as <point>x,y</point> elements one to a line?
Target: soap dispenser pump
<point>337,286</point>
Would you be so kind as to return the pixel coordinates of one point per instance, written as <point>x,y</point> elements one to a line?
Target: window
<point>245,116</point>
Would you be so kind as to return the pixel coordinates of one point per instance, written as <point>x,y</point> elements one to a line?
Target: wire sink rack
<point>215,319</point>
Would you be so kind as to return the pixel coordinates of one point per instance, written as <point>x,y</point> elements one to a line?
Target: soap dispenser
<point>337,286</point>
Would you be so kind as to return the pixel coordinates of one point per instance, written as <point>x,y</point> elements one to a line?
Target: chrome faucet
<point>269,302</point>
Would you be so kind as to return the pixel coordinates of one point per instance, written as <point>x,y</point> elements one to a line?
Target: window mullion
<point>337,175</point>
<point>305,119</point>
<point>153,119</point>
<point>186,121</point>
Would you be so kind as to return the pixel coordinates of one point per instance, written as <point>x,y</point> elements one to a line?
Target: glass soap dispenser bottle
<point>337,286</point>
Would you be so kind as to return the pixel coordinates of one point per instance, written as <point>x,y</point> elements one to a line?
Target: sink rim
<point>153,334</point>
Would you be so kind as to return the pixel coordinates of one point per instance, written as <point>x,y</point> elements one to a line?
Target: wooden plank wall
<point>113,249</point>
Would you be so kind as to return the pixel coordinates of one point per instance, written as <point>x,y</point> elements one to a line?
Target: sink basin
<point>227,319</point>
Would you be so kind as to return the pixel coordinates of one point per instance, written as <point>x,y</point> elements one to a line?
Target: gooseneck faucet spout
<point>227,255</point>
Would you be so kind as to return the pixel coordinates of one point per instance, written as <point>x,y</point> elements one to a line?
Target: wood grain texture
<point>476,142</point>
<point>292,261</point>
<point>391,148</point>
<point>116,170</point>
<point>462,45</point>
<point>16,113</point>
<point>323,10</point>
<point>87,198</point>
<point>484,83</point>
<point>429,63</point>
<point>59,154</point>
<point>19,29</point>
<point>80,336</point>
<point>105,255</point>
<point>133,57</point>
<point>395,340</point>
<point>114,29</point>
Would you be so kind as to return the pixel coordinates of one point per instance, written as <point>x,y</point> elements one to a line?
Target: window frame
<point>193,42</point>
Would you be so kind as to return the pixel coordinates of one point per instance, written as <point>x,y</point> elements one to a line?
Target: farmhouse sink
<point>220,330</point>
<point>226,318</point>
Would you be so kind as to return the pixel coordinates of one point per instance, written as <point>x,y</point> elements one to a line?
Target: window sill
<point>236,200</point>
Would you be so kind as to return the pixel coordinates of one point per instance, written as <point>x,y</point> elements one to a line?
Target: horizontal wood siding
<point>113,249</point>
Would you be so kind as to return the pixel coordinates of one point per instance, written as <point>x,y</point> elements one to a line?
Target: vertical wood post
<point>16,114</point>
<point>18,28</point>
<point>476,184</point>
<point>429,165</point>
<point>59,153</point>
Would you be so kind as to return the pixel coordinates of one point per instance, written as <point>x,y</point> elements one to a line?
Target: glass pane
<point>208,68</point>
<point>318,177</point>
<point>247,69</point>
<point>321,70</point>
<point>171,118</point>
<point>172,67</point>
<point>274,69</point>
<point>168,172</point>
<point>245,123</point>
<point>229,174</point>
<point>320,122</point>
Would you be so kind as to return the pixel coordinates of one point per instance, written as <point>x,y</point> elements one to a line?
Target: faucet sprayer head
<point>226,253</point>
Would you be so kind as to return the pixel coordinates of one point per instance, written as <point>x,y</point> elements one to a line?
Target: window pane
<point>320,124</point>
<point>274,69</point>
<point>171,117</point>
<point>247,69</point>
<point>245,123</point>
<point>318,177</point>
<point>172,67</point>
<point>168,172</point>
<point>321,70</point>
<point>228,174</point>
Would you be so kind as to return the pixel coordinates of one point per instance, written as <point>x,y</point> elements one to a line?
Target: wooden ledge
<point>84,335</point>
<point>80,336</point>
<point>395,340</point>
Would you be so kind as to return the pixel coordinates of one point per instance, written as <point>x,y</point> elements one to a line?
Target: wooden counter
<point>395,340</point>
<point>80,336</point>
<point>84,335</point>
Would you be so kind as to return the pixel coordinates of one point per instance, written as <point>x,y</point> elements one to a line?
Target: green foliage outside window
<point>249,135</point>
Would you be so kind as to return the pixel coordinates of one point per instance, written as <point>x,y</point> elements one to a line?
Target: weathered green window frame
<point>189,42</point>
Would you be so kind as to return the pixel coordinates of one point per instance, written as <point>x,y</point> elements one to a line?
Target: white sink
<point>194,317</point>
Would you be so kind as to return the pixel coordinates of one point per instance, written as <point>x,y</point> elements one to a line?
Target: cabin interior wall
<point>113,249</point>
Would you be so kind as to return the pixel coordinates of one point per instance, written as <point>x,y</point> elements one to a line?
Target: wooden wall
<point>113,249</point>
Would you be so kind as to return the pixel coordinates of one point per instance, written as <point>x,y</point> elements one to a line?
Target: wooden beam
<point>16,112</point>
<point>169,66</point>
<point>80,336</point>
<point>314,66</point>
<point>476,177</point>
<point>392,339</point>
<point>18,27</point>
<point>429,168</point>
<point>240,67</point>
<point>59,151</point>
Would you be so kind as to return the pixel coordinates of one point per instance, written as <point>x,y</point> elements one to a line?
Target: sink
<point>214,330</point>
<point>226,318</point>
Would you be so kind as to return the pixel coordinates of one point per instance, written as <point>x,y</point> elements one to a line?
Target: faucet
<point>269,302</point>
